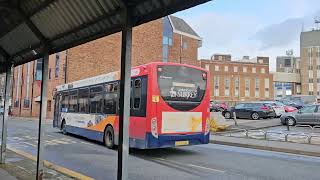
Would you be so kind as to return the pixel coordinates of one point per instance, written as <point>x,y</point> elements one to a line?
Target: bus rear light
<point>207,130</point>
<point>154,127</point>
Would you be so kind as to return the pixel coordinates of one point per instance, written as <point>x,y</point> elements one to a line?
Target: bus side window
<point>83,100</point>
<point>110,103</point>
<point>96,103</point>
<point>73,101</point>
<point>131,94</point>
<point>137,94</point>
<point>64,102</point>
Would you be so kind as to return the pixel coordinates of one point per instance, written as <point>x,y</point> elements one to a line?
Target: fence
<point>280,135</point>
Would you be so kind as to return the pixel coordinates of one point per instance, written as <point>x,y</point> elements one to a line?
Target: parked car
<point>307,115</point>
<point>278,107</point>
<point>216,106</point>
<point>291,103</point>
<point>250,110</point>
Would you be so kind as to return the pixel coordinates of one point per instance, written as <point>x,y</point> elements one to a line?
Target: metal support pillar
<point>124,109</point>
<point>6,113</point>
<point>43,115</point>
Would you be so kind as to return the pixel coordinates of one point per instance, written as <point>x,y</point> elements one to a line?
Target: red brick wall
<point>188,55</point>
<point>103,55</point>
<point>34,108</point>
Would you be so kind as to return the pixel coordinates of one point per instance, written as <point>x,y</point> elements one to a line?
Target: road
<point>193,162</point>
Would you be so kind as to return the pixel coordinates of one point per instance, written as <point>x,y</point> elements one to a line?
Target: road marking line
<point>192,165</point>
<point>29,144</point>
<point>202,167</point>
<point>50,165</point>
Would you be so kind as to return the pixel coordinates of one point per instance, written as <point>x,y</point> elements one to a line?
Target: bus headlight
<point>154,127</point>
<point>207,130</point>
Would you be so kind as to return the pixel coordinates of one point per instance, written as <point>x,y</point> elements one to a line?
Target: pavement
<point>211,161</point>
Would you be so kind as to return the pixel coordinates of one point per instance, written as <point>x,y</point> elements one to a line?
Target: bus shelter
<point>33,29</point>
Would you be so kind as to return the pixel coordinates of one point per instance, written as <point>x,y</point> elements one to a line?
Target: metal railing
<point>279,135</point>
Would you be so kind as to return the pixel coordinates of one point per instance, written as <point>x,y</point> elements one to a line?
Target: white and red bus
<point>169,106</point>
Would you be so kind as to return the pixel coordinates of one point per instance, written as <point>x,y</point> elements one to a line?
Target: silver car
<point>307,115</point>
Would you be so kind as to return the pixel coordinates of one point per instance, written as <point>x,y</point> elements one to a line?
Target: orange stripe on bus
<point>102,124</point>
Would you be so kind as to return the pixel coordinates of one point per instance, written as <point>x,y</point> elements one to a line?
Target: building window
<point>236,85</point>
<point>16,104</point>
<point>310,80</point>
<point>185,45</point>
<point>49,105</point>
<point>287,63</point>
<point>266,87</point>
<point>207,66</point>
<point>310,74</point>
<point>39,70</point>
<point>244,69</point>
<point>226,68</point>
<point>309,52</point>
<point>216,68</point>
<point>257,85</point>
<point>49,73</point>
<point>253,70</point>
<point>26,102</point>
<point>167,38</point>
<point>311,87</point>
<point>235,69</point>
<point>227,86</point>
<point>247,87</point>
<point>318,80</point>
<point>56,75</point>
<point>216,85</point>
<point>263,71</point>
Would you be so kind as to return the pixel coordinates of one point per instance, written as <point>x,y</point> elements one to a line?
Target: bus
<point>169,106</point>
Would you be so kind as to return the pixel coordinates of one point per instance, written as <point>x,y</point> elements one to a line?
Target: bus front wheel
<point>109,137</point>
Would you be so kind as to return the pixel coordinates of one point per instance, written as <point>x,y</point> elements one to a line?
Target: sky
<point>251,27</point>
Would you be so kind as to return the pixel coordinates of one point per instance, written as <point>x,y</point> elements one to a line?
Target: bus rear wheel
<point>109,137</point>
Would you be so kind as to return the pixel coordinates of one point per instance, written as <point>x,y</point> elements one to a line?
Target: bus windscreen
<point>181,87</point>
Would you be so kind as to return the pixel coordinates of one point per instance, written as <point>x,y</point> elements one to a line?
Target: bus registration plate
<point>181,143</point>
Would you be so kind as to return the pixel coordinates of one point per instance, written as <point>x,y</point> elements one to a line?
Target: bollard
<point>235,119</point>
<point>287,122</point>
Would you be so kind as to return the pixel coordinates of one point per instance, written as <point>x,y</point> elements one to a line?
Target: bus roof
<point>113,76</point>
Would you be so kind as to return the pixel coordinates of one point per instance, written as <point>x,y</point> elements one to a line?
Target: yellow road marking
<point>50,165</point>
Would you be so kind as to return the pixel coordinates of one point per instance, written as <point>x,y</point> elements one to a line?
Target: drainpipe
<point>180,48</point>
<point>66,68</point>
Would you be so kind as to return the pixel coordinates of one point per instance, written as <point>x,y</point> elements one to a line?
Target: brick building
<point>242,80</point>
<point>310,62</point>
<point>169,39</point>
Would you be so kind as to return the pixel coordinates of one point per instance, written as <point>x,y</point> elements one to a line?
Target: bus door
<point>57,111</point>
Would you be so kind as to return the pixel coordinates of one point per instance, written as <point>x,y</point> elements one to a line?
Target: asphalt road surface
<point>191,162</point>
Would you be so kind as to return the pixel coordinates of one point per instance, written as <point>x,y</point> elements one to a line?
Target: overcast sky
<point>251,27</point>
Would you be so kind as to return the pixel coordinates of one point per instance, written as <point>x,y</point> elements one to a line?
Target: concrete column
<point>6,113</point>
<point>124,111</point>
<point>43,115</point>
